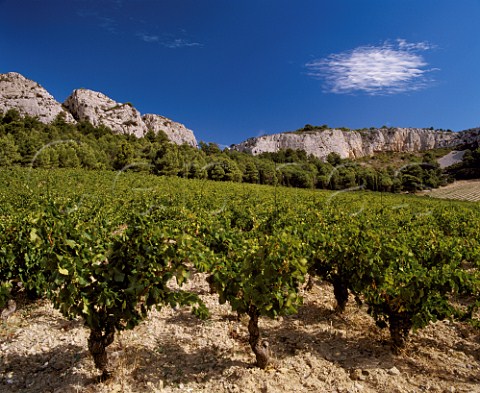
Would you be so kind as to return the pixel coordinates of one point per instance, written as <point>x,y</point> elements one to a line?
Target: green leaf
<point>118,276</point>
<point>70,243</point>
<point>63,271</point>
<point>34,238</point>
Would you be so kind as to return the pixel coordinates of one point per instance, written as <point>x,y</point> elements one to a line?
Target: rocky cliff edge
<point>354,144</point>
<point>29,98</point>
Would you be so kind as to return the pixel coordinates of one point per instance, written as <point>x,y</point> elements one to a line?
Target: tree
<point>224,169</point>
<point>197,170</point>
<point>210,148</point>
<point>266,172</point>
<point>166,161</point>
<point>296,176</point>
<point>411,178</point>
<point>12,115</point>
<point>216,172</point>
<point>162,137</point>
<point>347,178</point>
<point>334,159</point>
<point>385,182</point>
<point>251,175</point>
<point>232,172</point>
<point>9,154</point>
<point>150,136</point>
<point>124,157</point>
<point>48,158</point>
<point>87,157</point>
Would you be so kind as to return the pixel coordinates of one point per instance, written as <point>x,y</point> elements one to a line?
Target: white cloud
<point>412,46</point>
<point>375,70</point>
<point>180,43</point>
<point>168,40</point>
<point>148,38</point>
<point>108,24</point>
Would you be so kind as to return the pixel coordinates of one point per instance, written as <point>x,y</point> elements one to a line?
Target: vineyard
<point>352,282</point>
<point>465,190</point>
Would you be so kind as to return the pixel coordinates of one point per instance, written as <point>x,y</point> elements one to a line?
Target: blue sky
<point>232,69</point>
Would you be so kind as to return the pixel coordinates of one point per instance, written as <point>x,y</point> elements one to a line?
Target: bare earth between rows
<point>315,350</point>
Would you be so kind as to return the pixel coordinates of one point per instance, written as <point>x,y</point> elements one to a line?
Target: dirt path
<point>315,351</point>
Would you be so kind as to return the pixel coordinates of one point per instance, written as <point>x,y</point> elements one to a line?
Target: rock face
<point>97,108</point>
<point>352,144</point>
<point>471,137</point>
<point>29,98</point>
<point>176,132</point>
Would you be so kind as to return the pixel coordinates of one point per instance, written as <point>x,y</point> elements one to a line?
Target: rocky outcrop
<point>471,138</point>
<point>352,144</point>
<point>98,109</point>
<point>29,98</point>
<point>176,132</point>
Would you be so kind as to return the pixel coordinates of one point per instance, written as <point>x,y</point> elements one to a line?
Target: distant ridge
<point>354,144</point>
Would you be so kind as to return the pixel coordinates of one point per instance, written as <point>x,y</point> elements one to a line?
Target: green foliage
<point>469,168</point>
<point>92,263</point>
<point>258,270</point>
<point>9,154</point>
<point>309,128</point>
<point>423,269</point>
<point>167,161</point>
<point>264,272</point>
<point>210,148</point>
<point>114,278</point>
<point>28,142</point>
<point>405,267</point>
<point>334,159</point>
<point>124,157</point>
<point>107,247</point>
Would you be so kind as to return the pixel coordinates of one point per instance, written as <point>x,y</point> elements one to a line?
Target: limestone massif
<point>29,98</point>
<point>355,144</point>
<point>98,109</point>
<point>176,132</point>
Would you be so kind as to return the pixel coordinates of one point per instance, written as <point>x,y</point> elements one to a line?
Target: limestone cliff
<point>176,132</point>
<point>352,144</point>
<point>32,99</point>
<point>29,98</point>
<point>471,137</point>
<point>97,108</point>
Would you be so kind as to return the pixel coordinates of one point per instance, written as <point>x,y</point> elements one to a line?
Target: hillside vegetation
<point>25,141</point>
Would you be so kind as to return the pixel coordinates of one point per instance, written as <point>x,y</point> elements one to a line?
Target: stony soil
<point>314,351</point>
